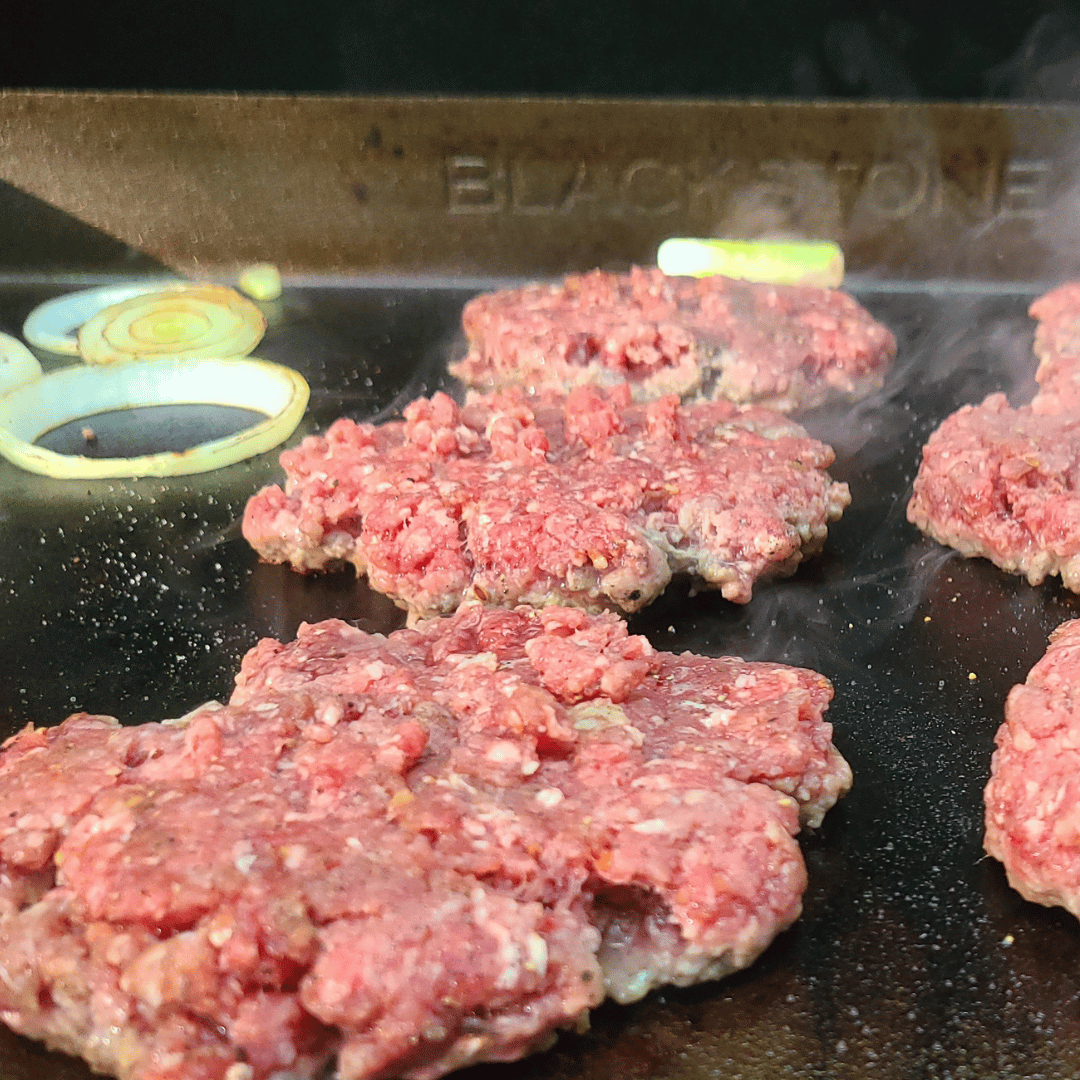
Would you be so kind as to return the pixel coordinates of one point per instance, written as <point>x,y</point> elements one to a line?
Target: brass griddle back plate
<point>487,187</point>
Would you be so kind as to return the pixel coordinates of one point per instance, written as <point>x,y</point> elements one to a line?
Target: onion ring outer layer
<point>18,364</point>
<point>74,393</point>
<point>53,325</point>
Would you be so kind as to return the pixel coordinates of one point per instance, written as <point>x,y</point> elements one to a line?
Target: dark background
<point>907,49</point>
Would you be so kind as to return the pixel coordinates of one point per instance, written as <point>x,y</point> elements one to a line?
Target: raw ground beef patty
<point>1004,483</point>
<point>1033,798</point>
<point>785,346</point>
<point>585,500</point>
<point>411,852</point>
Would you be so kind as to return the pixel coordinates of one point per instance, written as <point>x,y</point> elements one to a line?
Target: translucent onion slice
<point>52,325</point>
<point>77,393</point>
<point>17,363</point>
<point>188,321</point>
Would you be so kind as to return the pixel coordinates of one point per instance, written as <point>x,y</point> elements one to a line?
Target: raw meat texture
<point>412,852</point>
<point>584,500</point>
<point>1004,483</point>
<point>1057,345</point>
<point>1033,797</point>
<point>785,346</point>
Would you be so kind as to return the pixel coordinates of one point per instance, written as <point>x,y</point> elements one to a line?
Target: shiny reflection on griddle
<point>280,600</point>
<point>25,1060</point>
<point>148,429</point>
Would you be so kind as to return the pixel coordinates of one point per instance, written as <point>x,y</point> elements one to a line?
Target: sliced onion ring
<point>52,325</point>
<point>75,393</point>
<point>186,321</point>
<point>17,363</point>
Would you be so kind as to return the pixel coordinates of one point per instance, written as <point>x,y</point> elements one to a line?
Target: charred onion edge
<point>52,326</point>
<point>18,364</point>
<point>75,393</point>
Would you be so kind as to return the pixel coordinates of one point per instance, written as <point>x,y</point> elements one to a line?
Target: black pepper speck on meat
<point>409,853</point>
<point>785,346</point>
<point>583,499</point>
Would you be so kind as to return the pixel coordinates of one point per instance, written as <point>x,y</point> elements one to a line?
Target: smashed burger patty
<point>583,499</point>
<point>785,346</point>
<point>1033,797</point>
<point>412,852</point>
<point>1004,483</point>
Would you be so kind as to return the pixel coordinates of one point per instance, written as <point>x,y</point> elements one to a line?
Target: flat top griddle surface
<point>913,957</point>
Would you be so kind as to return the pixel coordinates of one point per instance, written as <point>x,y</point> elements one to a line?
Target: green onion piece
<point>262,282</point>
<point>776,262</point>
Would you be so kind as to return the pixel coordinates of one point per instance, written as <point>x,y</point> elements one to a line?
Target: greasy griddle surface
<point>913,958</point>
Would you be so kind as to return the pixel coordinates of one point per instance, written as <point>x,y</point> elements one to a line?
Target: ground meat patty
<point>1033,798</point>
<point>1003,483</point>
<point>412,852</point>
<point>1057,345</point>
<point>585,500</point>
<point>785,346</point>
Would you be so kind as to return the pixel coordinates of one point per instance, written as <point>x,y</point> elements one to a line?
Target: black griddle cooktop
<point>913,958</point>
